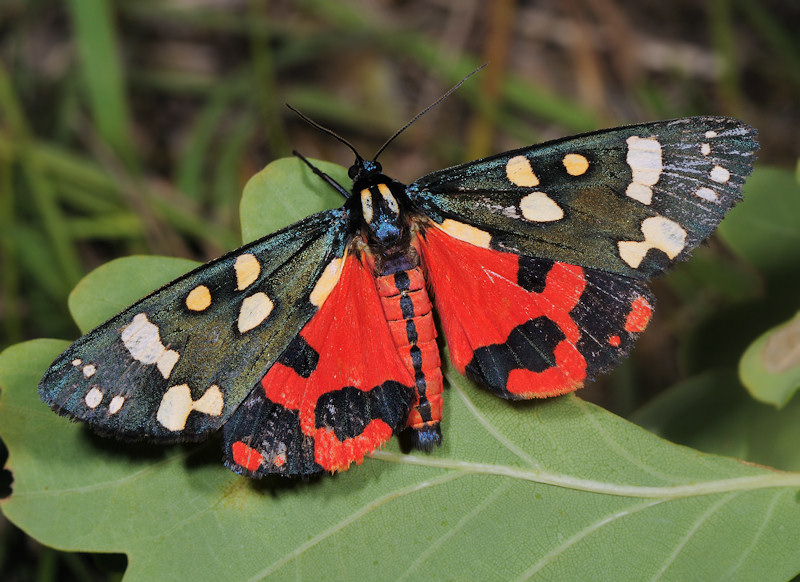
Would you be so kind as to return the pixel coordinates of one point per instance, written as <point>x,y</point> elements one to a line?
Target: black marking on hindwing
<point>348,411</point>
<point>529,346</point>
<point>300,357</point>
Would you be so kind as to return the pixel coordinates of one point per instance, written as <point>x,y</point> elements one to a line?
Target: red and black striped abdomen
<point>408,312</point>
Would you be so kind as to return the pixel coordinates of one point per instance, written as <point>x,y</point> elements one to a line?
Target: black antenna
<point>424,111</point>
<point>326,130</point>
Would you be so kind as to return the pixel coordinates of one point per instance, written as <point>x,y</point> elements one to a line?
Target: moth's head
<point>364,172</point>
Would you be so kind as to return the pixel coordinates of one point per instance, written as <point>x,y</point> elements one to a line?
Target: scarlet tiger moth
<point>311,346</point>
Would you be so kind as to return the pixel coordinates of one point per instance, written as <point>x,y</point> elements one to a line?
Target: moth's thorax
<point>383,220</point>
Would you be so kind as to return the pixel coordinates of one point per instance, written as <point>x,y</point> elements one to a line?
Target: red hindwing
<point>337,393</point>
<point>529,327</point>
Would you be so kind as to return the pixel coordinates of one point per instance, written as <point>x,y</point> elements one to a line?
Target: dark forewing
<point>176,364</point>
<point>629,200</point>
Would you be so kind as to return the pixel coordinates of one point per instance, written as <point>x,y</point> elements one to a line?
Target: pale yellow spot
<point>326,282</point>
<point>89,370</point>
<point>539,207</point>
<point>255,309</point>
<point>77,362</point>
<point>166,362</point>
<point>93,398</point>
<point>575,164</point>
<point>141,339</point>
<point>177,403</point>
<point>710,134</point>
<point>198,298</point>
<point>644,159</point>
<point>366,205</point>
<point>520,173</point>
<point>391,201</point>
<point>705,149</point>
<point>659,233</point>
<point>707,194</point>
<point>720,174</point>
<point>467,233</point>
<point>115,404</point>
<point>247,270</point>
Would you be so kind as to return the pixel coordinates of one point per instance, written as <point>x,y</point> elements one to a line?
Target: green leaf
<point>559,489</point>
<point>770,367</point>
<point>712,412</point>
<point>286,191</point>
<point>110,288</point>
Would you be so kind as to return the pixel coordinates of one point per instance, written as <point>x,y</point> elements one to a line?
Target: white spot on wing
<point>76,362</point>
<point>709,134</point>
<point>720,174</point>
<point>115,404</point>
<point>659,233</point>
<point>89,370</point>
<point>141,339</point>
<point>177,403</point>
<point>707,194</point>
<point>539,207</point>
<point>93,398</point>
<point>254,310</point>
<point>705,149</point>
<point>644,159</point>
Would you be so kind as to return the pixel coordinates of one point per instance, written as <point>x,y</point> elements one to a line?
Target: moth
<point>310,347</point>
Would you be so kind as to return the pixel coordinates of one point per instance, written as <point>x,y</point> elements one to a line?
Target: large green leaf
<point>559,489</point>
<point>714,413</point>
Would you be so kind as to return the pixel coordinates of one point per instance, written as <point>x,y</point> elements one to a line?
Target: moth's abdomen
<point>408,311</point>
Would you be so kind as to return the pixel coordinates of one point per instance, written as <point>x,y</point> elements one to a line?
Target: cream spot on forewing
<point>709,134</point>
<point>210,402</point>
<point>466,232</point>
<point>644,159</point>
<point>659,233</point>
<point>720,174</point>
<point>326,282</point>
<point>254,310</point>
<point>366,205</point>
<point>177,403</point>
<point>247,270</point>
<point>93,398</point>
<point>89,370</point>
<point>198,298</point>
<point>539,207</point>
<point>115,404</point>
<point>707,194</point>
<point>575,164</point>
<point>705,149</point>
<point>520,173</point>
<point>142,340</point>
<point>77,362</point>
